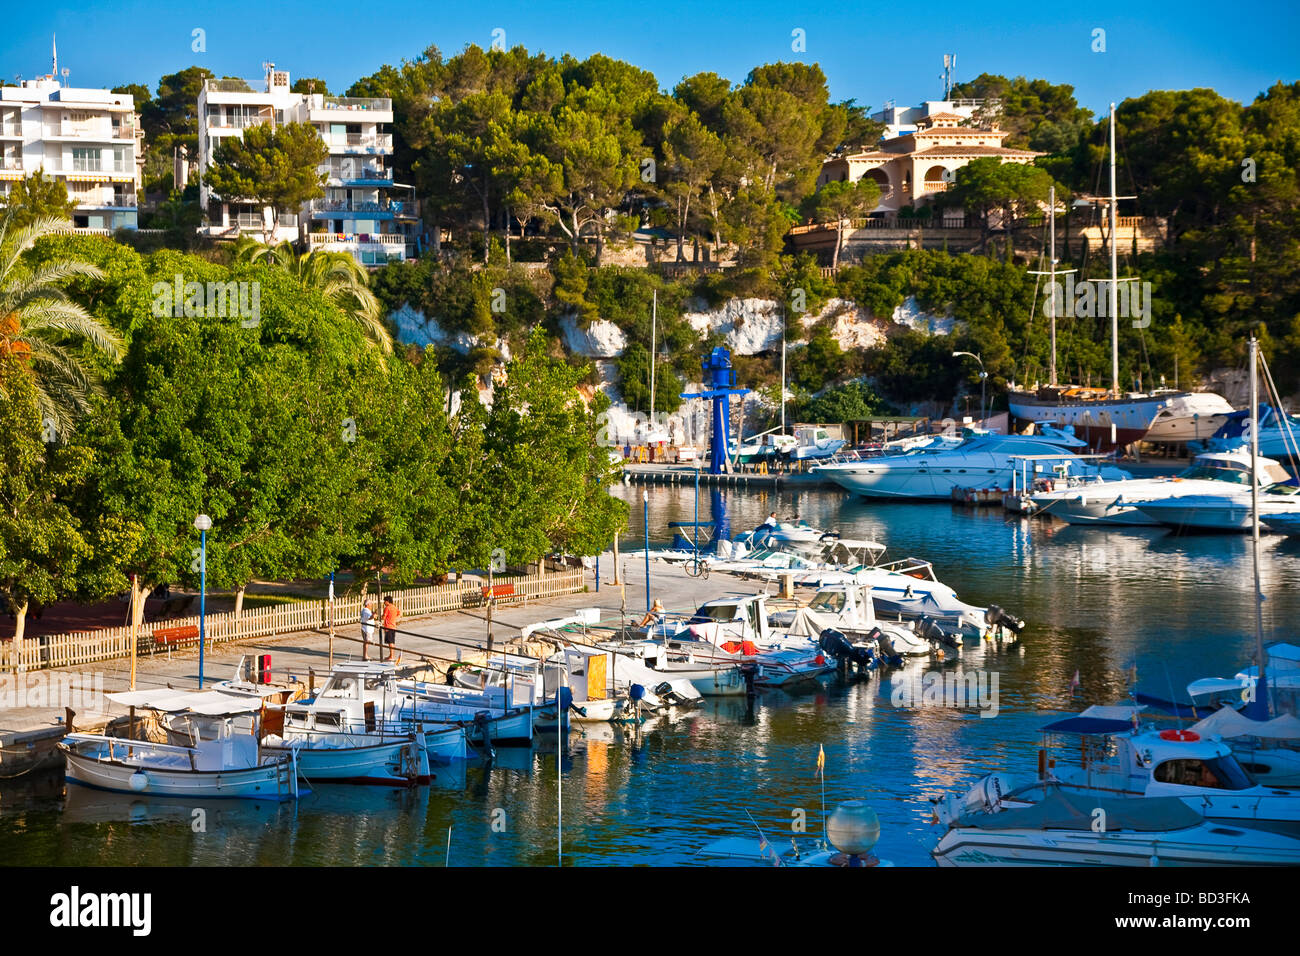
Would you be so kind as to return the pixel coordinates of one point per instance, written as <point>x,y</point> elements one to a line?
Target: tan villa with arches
<point>913,167</point>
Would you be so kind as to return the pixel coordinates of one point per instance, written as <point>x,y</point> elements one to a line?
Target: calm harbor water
<point>1096,601</point>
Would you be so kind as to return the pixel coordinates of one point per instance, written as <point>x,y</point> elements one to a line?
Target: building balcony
<point>11,131</point>
<point>935,185</point>
<point>363,143</point>
<point>365,176</point>
<point>342,209</point>
<point>105,202</point>
<point>380,103</point>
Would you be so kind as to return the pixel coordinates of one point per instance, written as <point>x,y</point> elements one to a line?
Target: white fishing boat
<point>324,755</point>
<point>1117,502</point>
<point>228,762</point>
<point>369,698</point>
<point>1062,830</point>
<point>987,462</point>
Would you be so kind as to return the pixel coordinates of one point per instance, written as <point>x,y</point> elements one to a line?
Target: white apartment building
<point>363,211</point>
<point>89,140</point>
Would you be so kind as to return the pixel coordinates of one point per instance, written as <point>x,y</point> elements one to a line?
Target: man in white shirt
<point>367,627</point>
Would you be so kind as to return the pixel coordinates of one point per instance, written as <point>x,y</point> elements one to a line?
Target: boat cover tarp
<point>1191,711</point>
<point>1060,810</point>
<point>1233,723</point>
<point>809,623</point>
<point>169,700</point>
<point>1095,726</point>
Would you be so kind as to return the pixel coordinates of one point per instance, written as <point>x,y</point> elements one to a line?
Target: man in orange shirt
<point>391,616</point>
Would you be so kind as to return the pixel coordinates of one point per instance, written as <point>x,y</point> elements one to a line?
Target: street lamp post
<point>983,377</point>
<point>202,523</point>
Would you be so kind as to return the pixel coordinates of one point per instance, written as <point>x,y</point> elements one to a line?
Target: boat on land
<point>1112,419</point>
<point>1118,502</point>
<point>225,761</point>
<point>1279,433</point>
<point>986,462</point>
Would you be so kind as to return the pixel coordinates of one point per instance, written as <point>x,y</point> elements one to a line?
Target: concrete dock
<point>32,719</point>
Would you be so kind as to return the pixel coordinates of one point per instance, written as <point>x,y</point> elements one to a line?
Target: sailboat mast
<point>1114,266</point>
<point>1051,202</point>
<point>783,370</point>
<point>1260,685</point>
<point>654,320</point>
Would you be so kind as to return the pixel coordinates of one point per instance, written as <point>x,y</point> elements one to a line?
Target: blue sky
<point>870,51</point>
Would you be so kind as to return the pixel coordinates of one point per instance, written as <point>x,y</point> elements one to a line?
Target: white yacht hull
<point>1204,845</point>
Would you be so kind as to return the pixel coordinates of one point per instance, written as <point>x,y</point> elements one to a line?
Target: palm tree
<point>336,275</point>
<point>38,321</point>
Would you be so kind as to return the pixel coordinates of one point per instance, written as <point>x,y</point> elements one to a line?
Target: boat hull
<point>1196,846</point>
<point>390,763</point>
<point>1105,425</point>
<point>265,782</point>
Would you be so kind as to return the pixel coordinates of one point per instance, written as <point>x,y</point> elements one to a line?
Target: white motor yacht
<point>985,462</point>
<point>1117,502</point>
<point>1231,511</point>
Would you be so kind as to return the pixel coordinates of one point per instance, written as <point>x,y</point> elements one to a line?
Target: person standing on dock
<point>391,616</point>
<point>367,628</point>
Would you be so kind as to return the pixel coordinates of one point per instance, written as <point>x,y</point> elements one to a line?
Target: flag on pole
<point>821,759</point>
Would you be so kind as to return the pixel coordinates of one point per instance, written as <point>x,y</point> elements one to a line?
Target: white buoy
<point>139,781</point>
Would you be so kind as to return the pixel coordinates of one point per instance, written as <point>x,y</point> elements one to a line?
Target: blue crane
<point>720,385</point>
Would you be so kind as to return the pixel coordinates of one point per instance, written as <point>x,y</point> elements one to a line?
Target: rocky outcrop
<point>600,339</point>
<point>413,328</point>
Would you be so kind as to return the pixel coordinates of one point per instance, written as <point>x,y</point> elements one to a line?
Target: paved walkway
<point>32,720</point>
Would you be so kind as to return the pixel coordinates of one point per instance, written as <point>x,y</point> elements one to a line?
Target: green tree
<point>988,185</point>
<point>35,197</point>
<point>335,275</point>
<point>270,166</point>
<point>837,201</point>
<point>310,84</point>
<point>39,325</point>
<point>46,553</point>
<point>692,156</point>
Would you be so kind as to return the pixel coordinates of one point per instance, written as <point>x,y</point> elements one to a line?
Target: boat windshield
<point>832,601</point>
<point>717,613</point>
<point>1282,489</point>
<point>1219,773</point>
<point>1217,473</point>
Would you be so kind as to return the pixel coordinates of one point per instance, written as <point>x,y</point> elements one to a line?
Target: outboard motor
<point>997,617</point>
<point>846,653</point>
<point>929,629</point>
<point>885,647</point>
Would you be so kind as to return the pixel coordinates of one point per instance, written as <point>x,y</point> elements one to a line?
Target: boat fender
<point>139,781</point>
<point>636,692</point>
<point>1180,736</point>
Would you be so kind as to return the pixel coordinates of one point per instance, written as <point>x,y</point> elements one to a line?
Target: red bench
<point>172,636</point>
<point>498,590</point>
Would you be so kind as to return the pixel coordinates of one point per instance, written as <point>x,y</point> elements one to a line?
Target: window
<point>1218,773</point>
<point>85,160</point>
